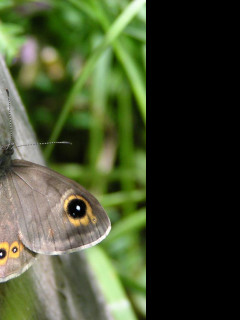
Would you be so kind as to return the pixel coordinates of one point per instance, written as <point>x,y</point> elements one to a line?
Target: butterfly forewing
<point>55,214</point>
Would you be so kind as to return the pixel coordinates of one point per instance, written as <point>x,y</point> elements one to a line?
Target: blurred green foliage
<point>80,68</point>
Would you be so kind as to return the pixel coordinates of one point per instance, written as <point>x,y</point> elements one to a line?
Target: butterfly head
<point>7,150</point>
<point>5,156</point>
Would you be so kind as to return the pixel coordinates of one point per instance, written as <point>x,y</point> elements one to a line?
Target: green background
<point>80,68</point>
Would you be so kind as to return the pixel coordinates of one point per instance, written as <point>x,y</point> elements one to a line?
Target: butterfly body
<point>41,211</point>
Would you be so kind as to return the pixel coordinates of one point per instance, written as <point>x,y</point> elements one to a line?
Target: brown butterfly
<point>41,211</point>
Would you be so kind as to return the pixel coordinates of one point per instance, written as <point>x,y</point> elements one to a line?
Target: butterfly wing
<point>15,258</point>
<point>55,214</point>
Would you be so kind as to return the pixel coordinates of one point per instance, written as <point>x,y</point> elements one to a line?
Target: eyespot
<point>14,251</point>
<point>79,211</point>
<point>4,249</point>
<point>3,253</point>
<point>77,208</point>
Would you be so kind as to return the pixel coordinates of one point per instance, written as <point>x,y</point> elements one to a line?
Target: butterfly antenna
<point>41,143</point>
<point>29,144</point>
<point>10,118</point>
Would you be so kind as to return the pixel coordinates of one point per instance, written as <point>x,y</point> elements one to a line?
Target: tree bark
<point>55,287</point>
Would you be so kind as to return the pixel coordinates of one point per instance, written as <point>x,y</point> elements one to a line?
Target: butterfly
<point>43,212</point>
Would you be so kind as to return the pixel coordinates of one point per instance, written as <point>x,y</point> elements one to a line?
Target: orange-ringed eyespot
<point>14,249</point>
<point>76,208</point>
<point>3,253</point>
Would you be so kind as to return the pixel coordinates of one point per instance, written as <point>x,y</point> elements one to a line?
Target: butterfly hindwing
<point>15,258</point>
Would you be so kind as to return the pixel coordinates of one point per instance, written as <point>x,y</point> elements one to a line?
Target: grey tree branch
<point>56,287</point>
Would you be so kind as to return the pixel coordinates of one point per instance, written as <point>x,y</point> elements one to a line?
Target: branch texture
<point>55,287</point>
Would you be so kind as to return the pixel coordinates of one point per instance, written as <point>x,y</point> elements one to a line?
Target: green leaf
<point>11,40</point>
<point>113,32</point>
<point>133,223</point>
<point>116,298</point>
<point>6,4</point>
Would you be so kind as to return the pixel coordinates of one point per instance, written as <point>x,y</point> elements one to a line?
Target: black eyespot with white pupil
<point>3,253</point>
<point>14,249</point>
<point>77,208</point>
